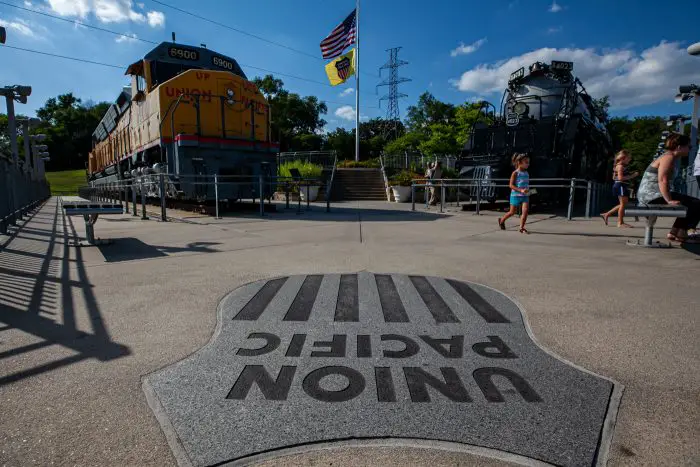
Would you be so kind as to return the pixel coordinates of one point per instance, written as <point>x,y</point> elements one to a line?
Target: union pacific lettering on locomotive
<point>190,113</point>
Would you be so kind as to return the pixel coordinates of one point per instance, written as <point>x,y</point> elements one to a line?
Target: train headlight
<point>521,108</point>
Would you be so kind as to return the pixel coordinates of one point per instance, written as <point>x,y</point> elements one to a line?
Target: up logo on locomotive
<point>315,358</point>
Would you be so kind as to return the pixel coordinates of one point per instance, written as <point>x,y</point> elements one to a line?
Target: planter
<point>401,193</point>
<point>312,190</point>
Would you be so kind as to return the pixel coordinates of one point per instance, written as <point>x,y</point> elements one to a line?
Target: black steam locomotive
<point>547,114</point>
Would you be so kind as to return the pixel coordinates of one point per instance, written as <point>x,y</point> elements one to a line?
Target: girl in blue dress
<point>519,191</point>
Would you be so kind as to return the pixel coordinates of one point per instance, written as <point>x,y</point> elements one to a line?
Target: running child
<point>519,191</point>
<point>621,187</point>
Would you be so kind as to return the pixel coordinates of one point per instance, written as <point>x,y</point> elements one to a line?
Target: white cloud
<point>347,92</point>
<point>555,8</point>
<point>554,30</point>
<point>156,19</point>
<point>347,112</point>
<point>467,49</point>
<point>28,4</point>
<point>141,5</point>
<point>25,28</point>
<point>106,11</point>
<point>129,38</point>
<point>116,11</point>
<point>79,8</point>
<point>18,26</point>
<point>630,79</point>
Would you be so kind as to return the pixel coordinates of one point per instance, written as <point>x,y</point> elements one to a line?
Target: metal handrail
<point>479,183</point>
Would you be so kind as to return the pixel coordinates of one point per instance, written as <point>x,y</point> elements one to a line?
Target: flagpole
<point>357,81</point>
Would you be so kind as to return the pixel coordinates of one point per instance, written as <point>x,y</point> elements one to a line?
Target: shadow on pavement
<point>340,213</point>
<point>36,297</point>
<point>129,249</point>
<point>581,234</point>
<point>693,248</point>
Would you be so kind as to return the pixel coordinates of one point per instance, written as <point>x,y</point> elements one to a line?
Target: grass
<point>66,182</point>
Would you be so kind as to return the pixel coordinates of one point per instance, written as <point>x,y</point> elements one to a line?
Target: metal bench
<point>76,206</point>
<point>652,212</point>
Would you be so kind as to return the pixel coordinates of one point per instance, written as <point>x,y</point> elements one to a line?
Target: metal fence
<point>415,161</point>
<point>19,193</point>
<point>326,159</point>
<point>479,189</point>
<point>147,188</point>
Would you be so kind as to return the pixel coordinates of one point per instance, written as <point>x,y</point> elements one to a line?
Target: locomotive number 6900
<point>184,54</point>
<point>223,63</point>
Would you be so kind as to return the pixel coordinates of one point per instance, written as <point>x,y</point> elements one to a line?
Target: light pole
<point>685,93</point>
<point>28,124</point>
<point>694,50</point>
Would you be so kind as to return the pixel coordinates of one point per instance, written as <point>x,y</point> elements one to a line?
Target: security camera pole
<point>11,93</point>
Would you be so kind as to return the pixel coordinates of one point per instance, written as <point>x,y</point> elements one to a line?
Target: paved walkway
<point>79,328</point>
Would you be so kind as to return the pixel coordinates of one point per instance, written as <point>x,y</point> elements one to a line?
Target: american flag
<point>341,37</point>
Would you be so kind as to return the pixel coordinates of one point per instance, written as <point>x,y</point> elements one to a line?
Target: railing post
<point>262,195</point>
<point>216,194</point>
<point>477,212</point>
<point>161,182</point>
<point>413,196</point>
<point>4,207</point>
<point>308,201</point>
<point>572,190</point>
<point>143,202</point>
<point>133,199</point>
<point>328,199</point>
<point>286,193</point>
<point>126,198</point>
<point>442,195</point>
<point>589,196</point>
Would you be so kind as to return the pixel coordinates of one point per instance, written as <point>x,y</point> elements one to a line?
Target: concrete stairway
<point>358,184</point>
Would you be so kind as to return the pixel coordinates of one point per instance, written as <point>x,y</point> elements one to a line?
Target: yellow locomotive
<point>190,113</point>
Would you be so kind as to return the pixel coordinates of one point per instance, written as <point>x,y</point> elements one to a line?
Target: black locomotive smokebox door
<point>301,360</point>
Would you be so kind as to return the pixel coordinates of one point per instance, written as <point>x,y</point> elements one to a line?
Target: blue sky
<point>458,50</point>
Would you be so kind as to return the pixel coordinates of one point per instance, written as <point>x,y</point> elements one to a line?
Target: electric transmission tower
<point>393,81</point>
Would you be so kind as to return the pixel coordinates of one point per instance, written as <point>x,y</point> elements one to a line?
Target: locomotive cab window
<point>140,84</point>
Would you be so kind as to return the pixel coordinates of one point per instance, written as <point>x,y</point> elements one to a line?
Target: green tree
<point>640,136</point>
<point>408,142</point>
<point>342,142</point>
<point>69,125</point>
<point>466,115</point>
<point>292,115</point>
<point>429,111</point>
<point>602,107</point>
<point>306,142</point>
<point>442,140</point>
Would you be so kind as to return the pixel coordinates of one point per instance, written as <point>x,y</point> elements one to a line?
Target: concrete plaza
<point>80,327</point>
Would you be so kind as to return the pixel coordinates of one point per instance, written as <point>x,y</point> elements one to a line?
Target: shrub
<point>351,164</point>
<point>449,173</point>
<point>403,178</point>
<point>306,169</point>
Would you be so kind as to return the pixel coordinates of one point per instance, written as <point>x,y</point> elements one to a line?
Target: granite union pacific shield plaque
<point>302,360</point>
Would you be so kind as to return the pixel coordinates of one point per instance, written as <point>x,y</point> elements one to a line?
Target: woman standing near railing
<point>655,188</point>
